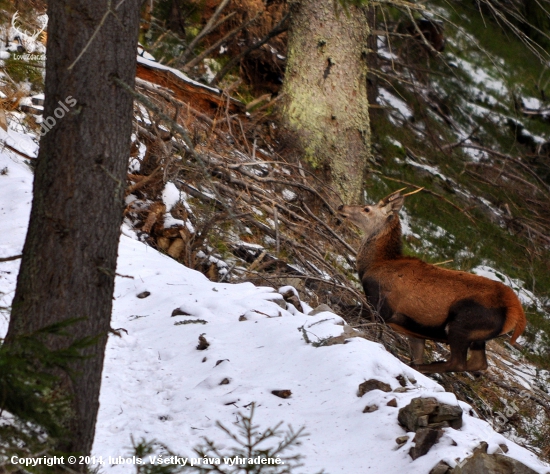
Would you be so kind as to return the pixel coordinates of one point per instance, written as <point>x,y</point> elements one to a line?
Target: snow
<point>157,386</point>
<point>22,143</point>
<point>430,169</point>
<point>531,103</point>
<point>386,97</point>
<point>154,65</point>
<point>171,195</point>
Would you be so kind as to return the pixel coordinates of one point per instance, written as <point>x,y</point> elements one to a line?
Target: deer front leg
<point>417,350</point>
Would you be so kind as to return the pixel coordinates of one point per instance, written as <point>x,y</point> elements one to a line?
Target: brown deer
<point>427,302</point>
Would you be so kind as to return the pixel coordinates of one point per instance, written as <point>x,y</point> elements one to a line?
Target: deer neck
<point>382,246</point>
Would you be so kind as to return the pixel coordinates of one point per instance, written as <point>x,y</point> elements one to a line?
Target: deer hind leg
<point>478,359</point>
<point>417,350</point>
<point>469,324</point>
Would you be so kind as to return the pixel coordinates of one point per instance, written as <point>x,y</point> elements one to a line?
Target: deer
<point>424,301</point>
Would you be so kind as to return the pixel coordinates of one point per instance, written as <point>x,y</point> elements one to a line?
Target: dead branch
<point>210,26</point>
<point>324,224</point>
<point>142,182</point>
<point>191,64</point>
<point>9,259</point>
<point>509,158</point>
<point>279,28</point>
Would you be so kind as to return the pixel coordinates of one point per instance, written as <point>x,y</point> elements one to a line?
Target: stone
<point>402,380</point>
<point>429,412</point>
<point>282,393</point>
<point>372,384</point>
<point>481,448</point>
<point>401,389</point>
<point>279,301</point>
<point>291,298</point>
<point>424,439</point>
<point>370,408</point>
<point>392,403</point>
<point>504,447</point>
<point>320,309</point>
<point>401,440</point>
<point>450,413</point>
<point>482,463</point>
<point>441,468</point>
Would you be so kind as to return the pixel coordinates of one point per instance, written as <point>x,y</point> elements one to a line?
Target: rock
<point>482,463</point>
<point>441,468</point>
<point>282,393</point>
<point>280,301</point>
<point>401,389</point>
<point>392,403</point>
<point>401,440</point>
<point>372,384</point>
<point>424,439</point>
<point>429,412</point>
<point>298,283</point>
<point>370,408</point>
<point>343,338</point>
<point>203,343</point>
<point>143,294</point>
<point>482,448</point>
<point>450,413</point>
<point>503,447</point>
<point>178,312</point>
<point>320,309</point>
<point>291,298</point>
<point>402,380</point>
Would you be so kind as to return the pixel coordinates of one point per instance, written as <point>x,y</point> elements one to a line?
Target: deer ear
<point>392,203</point>
<point>397,202</point>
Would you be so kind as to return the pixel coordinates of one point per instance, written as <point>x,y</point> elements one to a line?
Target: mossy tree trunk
<point>326,90</point>
<point>69,258</point>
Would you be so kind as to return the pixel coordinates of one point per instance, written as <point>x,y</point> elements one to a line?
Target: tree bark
<point>70,252</point>
<point>326,90</point>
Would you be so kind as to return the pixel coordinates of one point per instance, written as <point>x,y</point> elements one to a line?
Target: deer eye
<point>366,209</point>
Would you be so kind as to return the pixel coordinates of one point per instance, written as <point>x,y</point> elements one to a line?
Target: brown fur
<point>428,302</point>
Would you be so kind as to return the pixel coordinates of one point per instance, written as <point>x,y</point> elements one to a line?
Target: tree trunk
<point>326,90</point>
<point>70,252</point>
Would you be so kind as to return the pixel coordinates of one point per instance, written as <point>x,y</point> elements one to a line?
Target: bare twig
<point>188,66</point>
<point>96,31</point>
<point>279,28</point>
<point>207,29</point>
<point>9,259</point>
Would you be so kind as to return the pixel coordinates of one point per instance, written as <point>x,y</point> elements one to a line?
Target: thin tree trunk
<point>372,65</point>
<point>69,257</point>
<point>326,90</point>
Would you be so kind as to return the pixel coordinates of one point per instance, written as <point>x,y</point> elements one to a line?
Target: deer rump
<point>427,302</point>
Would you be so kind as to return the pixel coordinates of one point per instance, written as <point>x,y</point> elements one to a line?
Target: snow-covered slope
<point>158,386</point>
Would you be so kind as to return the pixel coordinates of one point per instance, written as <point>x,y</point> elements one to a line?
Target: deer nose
<point>340,207</point>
